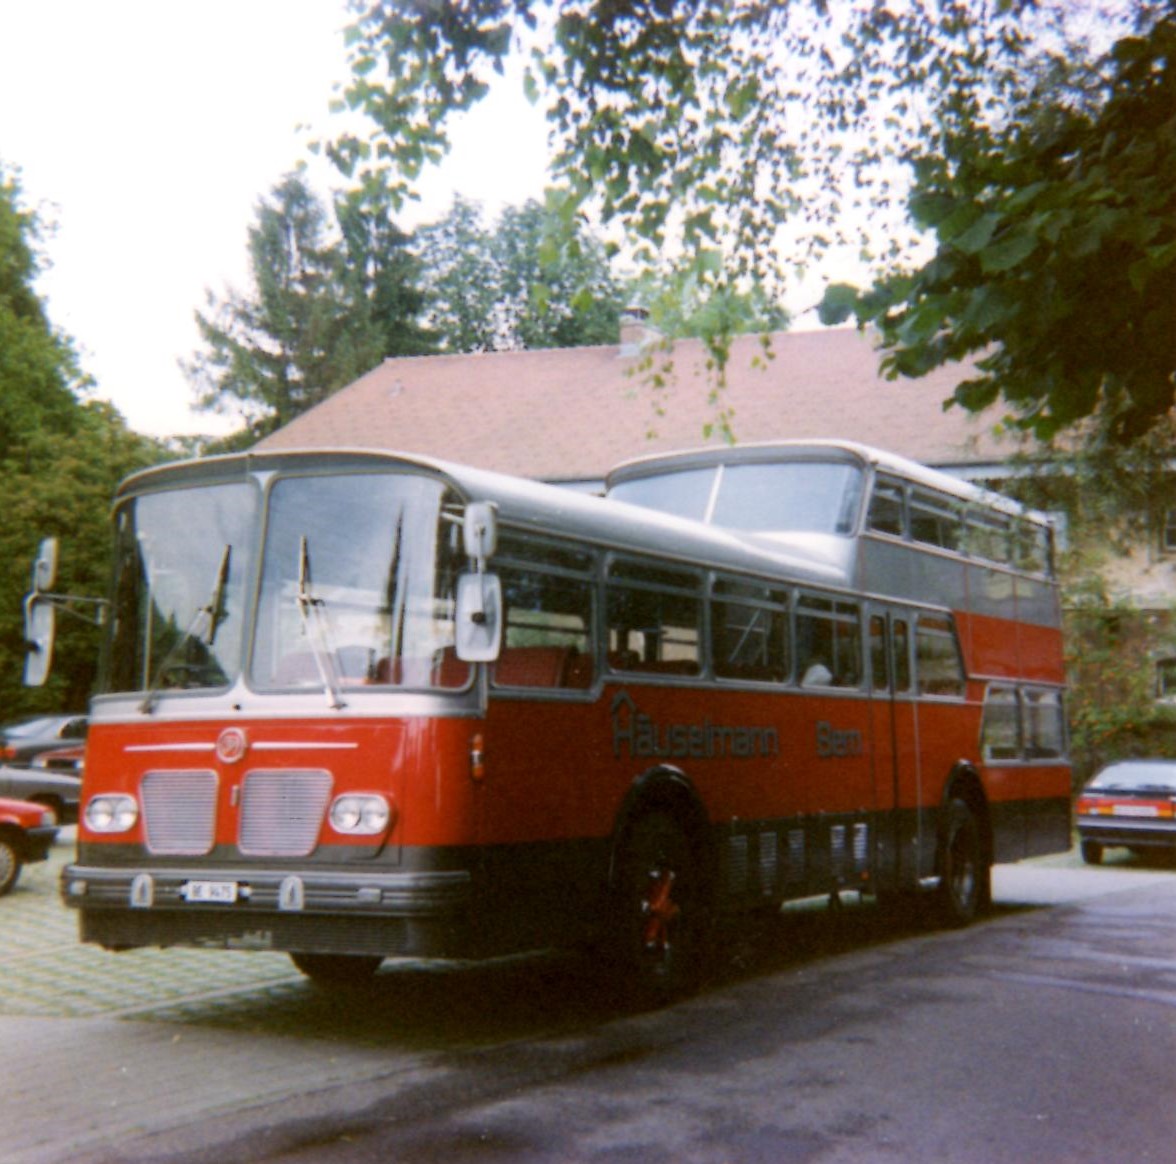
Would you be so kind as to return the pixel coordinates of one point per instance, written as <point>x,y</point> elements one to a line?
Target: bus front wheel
<point>660,919</point>
<point>963,872</point>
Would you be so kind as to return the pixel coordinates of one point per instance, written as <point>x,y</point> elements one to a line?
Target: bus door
<point>894,729</point>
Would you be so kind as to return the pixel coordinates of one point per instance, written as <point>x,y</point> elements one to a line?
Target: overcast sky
<point>149,129</point>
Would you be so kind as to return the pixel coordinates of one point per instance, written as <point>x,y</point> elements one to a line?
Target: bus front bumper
<point>420,914</point>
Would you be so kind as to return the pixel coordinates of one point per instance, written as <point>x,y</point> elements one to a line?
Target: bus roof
<point>526,504</point>
<point>800,450</point>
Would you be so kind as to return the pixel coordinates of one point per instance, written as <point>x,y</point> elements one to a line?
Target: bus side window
<point>879,664</point>
<point>936,520</point>
<point>1000,727</point>
<point>547,640</point>
<point>1045,730</point>
<point>988,537</point>
<point>901,634</point>
<point>828,643</point>
<point>886,508</point>
<point>653,618</point>
<point>749,628</point>
<point>938,666</point>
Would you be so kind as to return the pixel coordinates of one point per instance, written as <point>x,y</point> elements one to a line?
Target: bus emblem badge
<point>231,745</point>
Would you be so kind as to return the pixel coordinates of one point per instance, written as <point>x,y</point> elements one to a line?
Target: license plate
<point>1136,810</point>
<point>215,892</point>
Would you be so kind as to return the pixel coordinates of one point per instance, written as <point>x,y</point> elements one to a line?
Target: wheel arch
<point>964,784</point>
<point>668,790</point>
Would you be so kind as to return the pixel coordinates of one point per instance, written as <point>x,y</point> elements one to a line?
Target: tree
<point>532,280</point>
<point>328,303</point>
<point>705,128</point>
<point>60,460</point>
<point>1055,256</point>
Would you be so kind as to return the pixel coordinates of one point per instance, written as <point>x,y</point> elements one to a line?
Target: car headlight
<point>360,814</point>
<point>111,814</point>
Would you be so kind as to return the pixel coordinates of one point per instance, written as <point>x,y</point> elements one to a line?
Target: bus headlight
<point>111,814</point>
<point>360,814</point>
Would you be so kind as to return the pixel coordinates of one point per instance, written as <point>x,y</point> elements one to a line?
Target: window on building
<point>1168,532</point>
<point>1166,678</point>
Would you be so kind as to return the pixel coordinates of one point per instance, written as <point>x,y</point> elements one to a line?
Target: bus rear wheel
<point>660,920</point>
<point>337,969</point>
<point>963,872</point>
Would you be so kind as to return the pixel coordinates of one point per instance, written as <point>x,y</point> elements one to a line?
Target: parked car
<point>23,739</point>
<point>56,790</point>
<point>1131,803</point>
<point>62,759</point>
<point>27,831</point>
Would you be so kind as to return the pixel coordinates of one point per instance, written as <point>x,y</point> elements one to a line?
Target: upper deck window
<point>685,493</point>
<point>936,520</point>
<point>887,510</point>
<point>807,496</point>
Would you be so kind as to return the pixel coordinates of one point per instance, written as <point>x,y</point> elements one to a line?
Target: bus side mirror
<point>478,617</point>
<point>41,616</point>
<point>40,632</point>
<point>45,567</point>
<point>480,531</point>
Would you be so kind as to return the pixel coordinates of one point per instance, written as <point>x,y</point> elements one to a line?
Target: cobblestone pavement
<point>79,1082</point>
<point>101,1050</point>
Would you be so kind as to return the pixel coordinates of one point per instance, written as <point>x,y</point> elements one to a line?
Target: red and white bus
<point>355,705</point>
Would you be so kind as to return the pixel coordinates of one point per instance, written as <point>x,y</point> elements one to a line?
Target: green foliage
<point>329,301</point>
<point>534,279</point>
<point>1056,251</point>
<point>667,118</point>
<point>60,460</point>
<point>1111,702</point>
<point>703,129</point>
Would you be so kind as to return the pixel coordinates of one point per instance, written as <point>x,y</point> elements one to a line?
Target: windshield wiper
<point>211,614</point>
<point>313,612</point>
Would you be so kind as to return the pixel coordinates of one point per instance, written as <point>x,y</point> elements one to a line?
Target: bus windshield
<point>178,606</point>
<point>357,582</point>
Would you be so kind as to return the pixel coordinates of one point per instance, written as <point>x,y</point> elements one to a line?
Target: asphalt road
<point>1047,1033</point>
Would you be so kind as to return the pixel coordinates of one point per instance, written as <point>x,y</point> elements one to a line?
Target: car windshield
<point>1160,777</point>
<point>31,727</point>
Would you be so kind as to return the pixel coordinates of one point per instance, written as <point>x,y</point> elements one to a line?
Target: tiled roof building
<point>569,414</point>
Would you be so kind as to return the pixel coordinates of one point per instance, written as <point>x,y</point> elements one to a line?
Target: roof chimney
<point>637,333</point>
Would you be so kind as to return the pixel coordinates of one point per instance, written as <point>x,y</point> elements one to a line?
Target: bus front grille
<point>282,812</point>
<point>179,812</point>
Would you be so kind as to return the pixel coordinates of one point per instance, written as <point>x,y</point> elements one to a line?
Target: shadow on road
<point>414,1006</point>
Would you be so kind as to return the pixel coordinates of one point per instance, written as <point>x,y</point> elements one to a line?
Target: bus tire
<point>337,969</point>
<point>660,921</point>
<point>963,872</point>
<point>1092,852</point>
<point>9,864</point>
